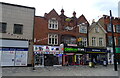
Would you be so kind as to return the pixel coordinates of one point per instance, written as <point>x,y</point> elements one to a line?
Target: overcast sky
<point>92,9</point>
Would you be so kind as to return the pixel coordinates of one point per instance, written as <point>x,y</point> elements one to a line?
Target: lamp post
<point>113,42</point>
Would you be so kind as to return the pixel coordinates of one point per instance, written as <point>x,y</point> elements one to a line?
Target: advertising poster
<point>7,57</point>
<point>21,57</point>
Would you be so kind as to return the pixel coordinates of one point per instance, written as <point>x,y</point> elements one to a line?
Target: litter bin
<point>91,64</point>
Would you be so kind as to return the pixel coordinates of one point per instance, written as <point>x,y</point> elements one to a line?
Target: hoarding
<point>7,57</point>
<point>14,57</point>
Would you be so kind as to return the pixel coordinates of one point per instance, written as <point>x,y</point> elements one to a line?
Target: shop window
<point>101,42</point>
<point>18,29</point>
<point>93,41</point>
<point>53,39</point>
<point>53,23</point>
<point>83,29</point>
<point>118,28</point>
<point>3,27</point>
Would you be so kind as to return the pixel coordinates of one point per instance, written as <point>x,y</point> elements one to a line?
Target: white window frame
<point>52,22</point>
<point>53,36</point>
<point>115,41</point>
<point>84,28</point>
<point>101,41</point>
<point>94,41</point>
<point>114,28</point>
<point>83,42</point>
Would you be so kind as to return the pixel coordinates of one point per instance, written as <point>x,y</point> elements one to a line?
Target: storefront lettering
<point>71,49</point>
<point>95,50</point>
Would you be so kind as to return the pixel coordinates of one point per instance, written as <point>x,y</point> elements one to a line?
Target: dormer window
<point>53,24</point>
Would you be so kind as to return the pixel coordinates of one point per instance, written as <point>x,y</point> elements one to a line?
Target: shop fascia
<point>73,49</point>
<point>95,50</point>
<point>44,49</point>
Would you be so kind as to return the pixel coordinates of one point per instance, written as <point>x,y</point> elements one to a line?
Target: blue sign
<point>95,50</point>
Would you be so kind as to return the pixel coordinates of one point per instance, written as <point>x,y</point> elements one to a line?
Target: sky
<point>91,9</point>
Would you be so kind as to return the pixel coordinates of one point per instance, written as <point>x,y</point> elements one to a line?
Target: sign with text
<point>95,50</point>
<point>73,50</point>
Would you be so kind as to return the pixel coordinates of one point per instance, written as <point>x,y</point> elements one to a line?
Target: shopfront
<point>47,55</point>
<point>73,55</point>
<point>97,55</point>
<point>118,54</point>
<point>13,53</point>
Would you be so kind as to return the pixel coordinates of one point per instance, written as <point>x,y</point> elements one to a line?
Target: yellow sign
<point>79,39</point>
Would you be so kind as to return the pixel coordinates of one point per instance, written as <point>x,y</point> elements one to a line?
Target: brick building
<point>105,22</point>
<point>53,29</point>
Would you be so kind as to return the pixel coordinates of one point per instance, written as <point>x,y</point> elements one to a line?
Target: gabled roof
<point>83,19</point>
<point>98,24</point>
<point>53,12</point>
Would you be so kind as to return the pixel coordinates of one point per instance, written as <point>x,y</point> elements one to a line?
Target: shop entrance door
<point>79,59</point>
<point>39,60</point>
<point>70,60</point>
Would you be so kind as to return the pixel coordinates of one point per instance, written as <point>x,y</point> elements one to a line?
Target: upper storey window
<point>3,27</point>
<point>53,24</point>
<point>83,29</point>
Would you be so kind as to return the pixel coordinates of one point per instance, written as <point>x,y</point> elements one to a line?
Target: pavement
<point>83,70</point>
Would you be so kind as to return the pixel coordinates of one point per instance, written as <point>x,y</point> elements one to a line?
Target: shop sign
<point>117,50</point>
<point>73,49</point>
<point>95,50</point>
<point>48,49</point>
<point>71,44</point>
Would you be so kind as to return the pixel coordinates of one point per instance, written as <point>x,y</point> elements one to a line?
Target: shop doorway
<point>48,59</point>
<point>39,60</point>
<point>80,59</point>
<point>69,59</point>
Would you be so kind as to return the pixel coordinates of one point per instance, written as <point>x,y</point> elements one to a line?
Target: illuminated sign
<point>73,49</point>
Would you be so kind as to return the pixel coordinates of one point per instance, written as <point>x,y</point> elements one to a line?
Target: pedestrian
<point>104,62</point>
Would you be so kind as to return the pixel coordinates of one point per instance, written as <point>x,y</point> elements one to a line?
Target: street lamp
<point>113,44</point>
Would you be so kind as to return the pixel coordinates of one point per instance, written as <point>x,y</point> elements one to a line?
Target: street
<point>85,70</point>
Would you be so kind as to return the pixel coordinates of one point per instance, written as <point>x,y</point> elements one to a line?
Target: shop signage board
<point>7,57</point>
<point>21,57</point>
<point>95,50</point>
<point>43,49</point>
<point>73,49</point>
<point>117,50</point>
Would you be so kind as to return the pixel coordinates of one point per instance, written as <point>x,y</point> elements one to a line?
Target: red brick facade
<point>41,29</point>
<point>105,20</point>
